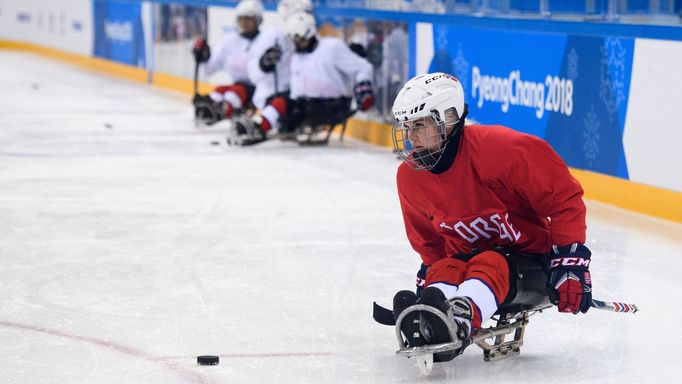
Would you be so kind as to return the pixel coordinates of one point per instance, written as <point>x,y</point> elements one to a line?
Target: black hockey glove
<point>358,49</point>
<point>270,58</point>
<point>570,285</point>
<point>364,95</point>
<point>201,50</point>
<point>421,279</point>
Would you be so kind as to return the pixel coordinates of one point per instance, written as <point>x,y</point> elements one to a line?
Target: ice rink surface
<point>129,244</point>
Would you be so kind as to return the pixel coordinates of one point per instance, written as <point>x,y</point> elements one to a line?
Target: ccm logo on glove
<point>570,261</point>
<point>570,284</point>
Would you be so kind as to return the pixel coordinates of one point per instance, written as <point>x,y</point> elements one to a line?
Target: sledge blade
<point>429,349</point>
<point>425,364</point>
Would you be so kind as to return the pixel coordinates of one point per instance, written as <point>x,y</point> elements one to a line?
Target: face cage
<point>256,20</point>
<point>423,158</point>
<point>300,43</point>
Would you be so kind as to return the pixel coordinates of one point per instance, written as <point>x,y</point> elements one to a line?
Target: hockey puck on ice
<point>208,360</point>
<point>215,142</point>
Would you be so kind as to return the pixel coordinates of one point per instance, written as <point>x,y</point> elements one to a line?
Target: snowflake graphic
<point>591,136</point>
<point>461,66</point>
<point>573,59</point>
<point>442,38</point>
<point>612,76</point>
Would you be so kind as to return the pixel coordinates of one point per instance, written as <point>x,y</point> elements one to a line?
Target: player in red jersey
<point>472,196</point>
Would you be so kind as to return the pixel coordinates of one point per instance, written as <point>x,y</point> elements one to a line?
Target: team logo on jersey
<point>485,228</point>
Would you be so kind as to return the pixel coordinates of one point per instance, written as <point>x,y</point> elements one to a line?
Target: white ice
<point>130,244</point>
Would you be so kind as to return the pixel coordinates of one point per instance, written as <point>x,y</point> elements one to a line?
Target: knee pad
<point>449,271</point>
<point>243,91</point>
<point>280,105</point>
<point>491,268</point>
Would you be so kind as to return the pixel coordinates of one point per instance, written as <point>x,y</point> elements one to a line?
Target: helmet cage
<point>433,133</point>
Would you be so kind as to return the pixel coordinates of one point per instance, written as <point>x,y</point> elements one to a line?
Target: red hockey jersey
<point>504,188</point>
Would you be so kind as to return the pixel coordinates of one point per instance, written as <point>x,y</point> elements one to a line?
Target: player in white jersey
<point>233,57</point>
<point>269,66</point>
<point>325,75</point>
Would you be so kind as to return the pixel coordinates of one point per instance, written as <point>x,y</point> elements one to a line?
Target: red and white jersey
<point>504,188</point>
<point>329,71</point>
<point>265,81</point>
<point>232,56</point>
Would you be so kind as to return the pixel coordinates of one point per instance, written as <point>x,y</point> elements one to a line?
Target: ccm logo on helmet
<point>571,262</point>
<point>444,75</point>
<point>416,109</point>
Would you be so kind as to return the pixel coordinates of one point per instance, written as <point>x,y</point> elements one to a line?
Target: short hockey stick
<point>274,72</point>
<point>196,78</point>
<point>382,315</point>
<point>385,316</point>
<point>614,306</point>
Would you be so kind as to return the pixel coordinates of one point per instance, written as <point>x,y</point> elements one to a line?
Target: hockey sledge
<point>319,133</point>
<point>206,113</point>
<point>527,297</point>
<point>243,131</point>
<point>313,121</point>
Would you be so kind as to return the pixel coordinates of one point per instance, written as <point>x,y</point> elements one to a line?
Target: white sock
<point>481,295</point>
<point>448,290</point>
<point>272,116</point>
<point>233,99</point>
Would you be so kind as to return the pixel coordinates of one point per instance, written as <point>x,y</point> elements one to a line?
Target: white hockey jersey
<point>265,83</point>
<point>232,56</point>
<point>330,71</point>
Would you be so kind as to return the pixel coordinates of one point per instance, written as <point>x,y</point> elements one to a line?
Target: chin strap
<point>312,44</point>
<point>460,123</point>
<point>450,146</point>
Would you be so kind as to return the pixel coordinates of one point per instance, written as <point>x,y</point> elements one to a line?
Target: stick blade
<point>382,315</point>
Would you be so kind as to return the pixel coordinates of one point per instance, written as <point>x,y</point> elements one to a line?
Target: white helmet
<point>286,8</point>
<point>424,94</point>
<point>438,96</point>
<point>300,25</point>
<point>250,8</point>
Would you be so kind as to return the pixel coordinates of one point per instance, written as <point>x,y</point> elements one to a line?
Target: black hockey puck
<point>215,142</point>
<point>208,360</point>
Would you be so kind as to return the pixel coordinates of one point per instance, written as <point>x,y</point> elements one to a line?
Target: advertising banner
<point>60,24</point>
<point>569,90</point>
<point>119,34</point>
